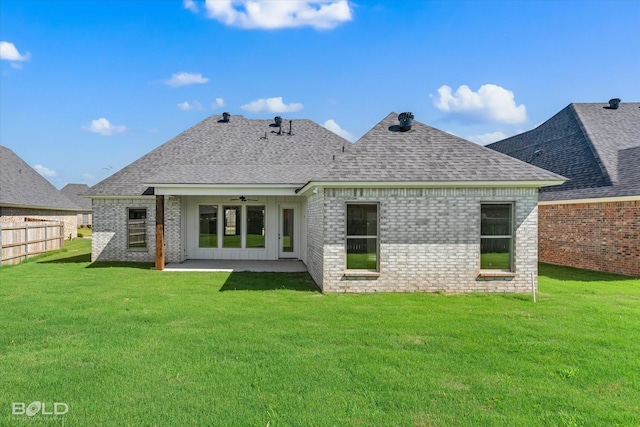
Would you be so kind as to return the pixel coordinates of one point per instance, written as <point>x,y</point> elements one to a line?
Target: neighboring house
<point>593,220</point>
<point>75,193</point>
<point>25,195</point>
<point>403,209</point>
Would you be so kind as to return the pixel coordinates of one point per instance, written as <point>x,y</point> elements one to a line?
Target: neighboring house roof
<point>241,151</point>
<point>596,147</point>
<point>22,186</point>
<point>426,154</point>
<point>74,192</point>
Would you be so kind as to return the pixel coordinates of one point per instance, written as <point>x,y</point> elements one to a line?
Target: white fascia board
<point>432,184</point>
<point>591,200</point>
<point>225,189</point>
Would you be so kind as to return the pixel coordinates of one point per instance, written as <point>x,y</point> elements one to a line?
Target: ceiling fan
<point>244,199</point>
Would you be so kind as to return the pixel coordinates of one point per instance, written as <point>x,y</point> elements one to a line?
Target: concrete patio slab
<point>279,266</point>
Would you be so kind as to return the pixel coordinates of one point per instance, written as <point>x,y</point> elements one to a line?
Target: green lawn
<point>211,241</point>
<point>86,232</point>
<point>124,345</point>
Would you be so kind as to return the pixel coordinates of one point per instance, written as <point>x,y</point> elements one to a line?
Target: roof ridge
<point>592,147</point>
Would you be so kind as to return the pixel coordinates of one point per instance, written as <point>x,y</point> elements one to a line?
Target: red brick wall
<point>594,236</point>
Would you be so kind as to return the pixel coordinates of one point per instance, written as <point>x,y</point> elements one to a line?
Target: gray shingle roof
<point>21,185</point>
<point>426,154</point>
<point>242,151</point>
<point>596,147</point>
<point>74,193</point>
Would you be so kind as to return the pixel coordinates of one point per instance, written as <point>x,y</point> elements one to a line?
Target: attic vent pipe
<point>406,120</point>
<point>225,117</point>
<point>614,103</point>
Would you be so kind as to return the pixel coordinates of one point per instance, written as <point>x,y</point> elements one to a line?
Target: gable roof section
<point>425,154</point>
<point>591,144</point>
<point>22,186</point>
<point>241,151</point>
<point>74,192</point>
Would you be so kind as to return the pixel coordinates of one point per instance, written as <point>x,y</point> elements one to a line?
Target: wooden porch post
<point>159,232</point>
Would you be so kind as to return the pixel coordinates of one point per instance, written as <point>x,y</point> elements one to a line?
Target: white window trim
<point>512,261</point>
<point>362,272</point>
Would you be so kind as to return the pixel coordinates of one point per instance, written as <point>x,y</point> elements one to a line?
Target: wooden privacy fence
<point>21,240</point>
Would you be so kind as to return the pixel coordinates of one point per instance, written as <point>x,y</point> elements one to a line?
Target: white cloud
<point>184,79</point>
<point>335,128</point>
<point>490,103</point>
<point>9,52</point>
<point>190,5</point>
<point>487,138</point>
<point>218,104</point>
<point>103,127</point>
<point>272,105</point>
<point>45,171</point>
<point>88,177</point>
<point>274,14</point>
<point>186,105</point>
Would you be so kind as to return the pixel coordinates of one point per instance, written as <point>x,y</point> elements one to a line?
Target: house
<point>25,195</point>
<point>406,208</point>
<point>75,193</point>
<point>591,221</point>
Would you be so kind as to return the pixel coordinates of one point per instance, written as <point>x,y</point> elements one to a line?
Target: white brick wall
<point>429,240</point>
<point>315,236</point>
<point>110,230</point>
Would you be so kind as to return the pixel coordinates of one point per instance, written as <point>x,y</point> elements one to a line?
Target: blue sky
<point>87,87</point>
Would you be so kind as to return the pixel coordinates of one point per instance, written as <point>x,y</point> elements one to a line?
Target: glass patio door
<point>287,234</point>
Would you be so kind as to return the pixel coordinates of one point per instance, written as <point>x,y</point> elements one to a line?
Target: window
<point>255,226</point>
<point>496,236</point>
<point>232,227</point>
<point>137,228</point>
<point>362,236</point>
<point>208,226</point>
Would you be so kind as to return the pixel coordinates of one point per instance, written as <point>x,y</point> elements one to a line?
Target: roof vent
<point>278,121</point>
<point>225,117</point>
<point>614,103</point>
<point>406,120</point>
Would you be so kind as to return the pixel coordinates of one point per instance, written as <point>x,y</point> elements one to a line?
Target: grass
<point>495,261</point>
<point>125,345</point>
<point>211,241</point>
<point>362,261</point>
<point>86,232</point>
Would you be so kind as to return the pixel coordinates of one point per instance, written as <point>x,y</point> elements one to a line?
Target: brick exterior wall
<point>595,236</point>
<point>68,218</point>
<point>429,240</point>
<point>315,236</point>
<point>110,218</point>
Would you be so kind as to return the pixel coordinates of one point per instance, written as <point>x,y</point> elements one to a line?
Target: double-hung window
<point>362,236</point>
<point>137,228</point>
<point>496,236</point>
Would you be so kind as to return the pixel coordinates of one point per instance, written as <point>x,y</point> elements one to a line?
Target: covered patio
<point>271,266</point>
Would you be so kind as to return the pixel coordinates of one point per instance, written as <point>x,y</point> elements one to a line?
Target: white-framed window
<point>496,236</point>
<point>255,226</point>
<point>208,226</point>
<point>362,237</point>
<point>137,228</point>
<point>231,226</point>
